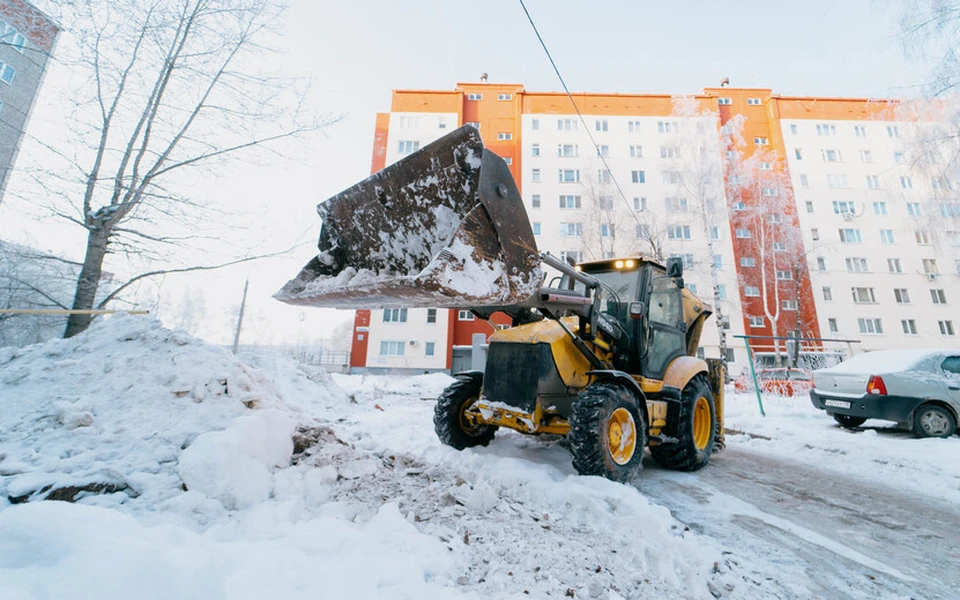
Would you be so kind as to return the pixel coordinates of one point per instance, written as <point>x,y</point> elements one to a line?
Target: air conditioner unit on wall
<point>849,216</point>
<point>413,342</point>
<point>932,276</point>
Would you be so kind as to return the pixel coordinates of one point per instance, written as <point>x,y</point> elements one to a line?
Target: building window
<point>797,152</point>
<point>643,231</point>
<point>870,326</point>
<point>784,275</point>
<point>804,180</point>
<point>738,206</point>
<point>824,129</point>
<point>569,175</point>
<point>504,96</point>
<point>441,122</point>
<point>679,232</point>
<point>753,101</point>
<point>603,151</point>
<point>843,207</point>
<point>923,237</point>
<point>408,146</point>
<point>894,266</point>
<point>535,150</point>
<point>535,175</point>
<point>639,204</point>
<point>788,304</point>
<point>830,155</point>
<point>722,295</point>
<point>756,321</point>
<point>946,327</point>
<point>571,229</point>
<point>893,131</point>
<point>743,234</point>
<point>724,101</point>
<point>465,315</point>
<point>7,73</point>
<point>604,176</point>
<point>901,295</point>
<point>761,141</point>
<point>675,204</point>
<point>793,129</point>
<point>906,182</point>
<point>815,234</point>
<point>909,326</point>
<point>938,296</point>
<point>913,209</point>
<point>638,176</point>
<point>607,230</point>
<point>536,227</point>
<point>714,233</point>
<point>429,348</point>
<point>633,126</point>
<point>670,177</point>
<point>394,315</point>
<point>568,150</point>
<point>950,209</point>
<point>474,96</point>
<point>821,264</point>
<point>827,294</point>
<point>686,258</point>
<point>601,125</point>
<point>666,127</point>
<point>570,202</point>
<point>837,181</point>
<point>832,325</point>
<point>850,236</point>
<point>566,125</point>
<point>503,135</point>
<point>718,262</point>
<point>392,348</point>
<point>636,151</point>
<point>605,202</point>
<point>669,151</point>
<point>535,124</point>
<point>860,130</point>
<point>809,205</point>
<point>431,315</point>
<point>863,295</point>
<point>409,122</point>
<point>886,236</point>
<point>857,265</point>
<point>873,182</point>
<point>535,201</point>
<point>747,261</point>
<point>900,158</point>
<point>866,156</point>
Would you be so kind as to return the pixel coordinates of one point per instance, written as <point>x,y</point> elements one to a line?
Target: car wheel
<point>931,420</point>
<point>848,422</point>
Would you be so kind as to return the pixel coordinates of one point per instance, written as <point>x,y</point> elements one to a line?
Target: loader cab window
<point>665,336</point>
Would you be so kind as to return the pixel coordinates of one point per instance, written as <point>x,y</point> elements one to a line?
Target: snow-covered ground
<point>197,474</point>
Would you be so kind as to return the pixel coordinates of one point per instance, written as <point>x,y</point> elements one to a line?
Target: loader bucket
<point>444,227</point>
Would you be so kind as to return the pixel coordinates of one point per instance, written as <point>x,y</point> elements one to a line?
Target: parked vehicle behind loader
<point>606,356</point>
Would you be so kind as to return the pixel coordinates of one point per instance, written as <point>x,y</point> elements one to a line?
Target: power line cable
<point>579,114</point>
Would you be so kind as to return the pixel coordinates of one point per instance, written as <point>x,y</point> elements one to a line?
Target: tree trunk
<point>88,282</point>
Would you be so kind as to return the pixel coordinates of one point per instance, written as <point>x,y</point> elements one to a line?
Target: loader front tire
<point>448,415</point>
<point>607,433</point>
<point>696,430</point>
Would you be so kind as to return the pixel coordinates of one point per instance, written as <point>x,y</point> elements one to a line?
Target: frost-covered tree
<point>33,280</point>
<point>163,91</point>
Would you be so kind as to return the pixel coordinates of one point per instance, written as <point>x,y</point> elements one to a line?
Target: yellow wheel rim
<point>621,436</point>
<point>466,423</point>
<point>701,423</point>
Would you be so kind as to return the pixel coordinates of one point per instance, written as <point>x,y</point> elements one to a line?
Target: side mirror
<point>674,266</point>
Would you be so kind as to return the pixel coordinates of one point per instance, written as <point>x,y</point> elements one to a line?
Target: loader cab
<point>646,298</point>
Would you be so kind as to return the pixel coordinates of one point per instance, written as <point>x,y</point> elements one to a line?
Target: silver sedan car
<point>920,389</point>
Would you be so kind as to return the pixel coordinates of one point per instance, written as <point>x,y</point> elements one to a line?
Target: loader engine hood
<point>444,227</point>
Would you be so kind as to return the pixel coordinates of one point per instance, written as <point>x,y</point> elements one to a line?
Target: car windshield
<point>623,283</point>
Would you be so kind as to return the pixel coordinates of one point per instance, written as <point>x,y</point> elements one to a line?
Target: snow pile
<point>191,474</point>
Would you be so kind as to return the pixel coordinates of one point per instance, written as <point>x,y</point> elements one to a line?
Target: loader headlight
<point>630,264</point>
<point>618,264</point>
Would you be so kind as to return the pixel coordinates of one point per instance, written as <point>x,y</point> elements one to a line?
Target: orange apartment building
<point>847,200</point>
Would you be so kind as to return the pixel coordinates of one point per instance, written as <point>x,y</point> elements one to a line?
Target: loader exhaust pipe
<point>443,228</point>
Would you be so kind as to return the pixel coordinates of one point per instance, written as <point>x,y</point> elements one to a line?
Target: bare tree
<point>32,280</point>
<point>931,28</point>
<point>171,89</point>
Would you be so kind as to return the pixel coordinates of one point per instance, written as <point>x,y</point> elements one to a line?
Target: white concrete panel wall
<point>412,337</point>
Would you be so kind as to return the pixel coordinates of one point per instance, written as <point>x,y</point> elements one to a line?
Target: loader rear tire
<point>448,415</point>
<point>608,432</point>
<point>696,430</point>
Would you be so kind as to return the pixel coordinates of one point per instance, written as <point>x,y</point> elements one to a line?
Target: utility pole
<point>243,304</point>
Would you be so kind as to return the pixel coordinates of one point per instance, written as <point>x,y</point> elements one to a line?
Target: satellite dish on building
<point>483,77</point>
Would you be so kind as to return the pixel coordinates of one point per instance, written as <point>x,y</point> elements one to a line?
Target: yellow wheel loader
<point>605,355</point>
